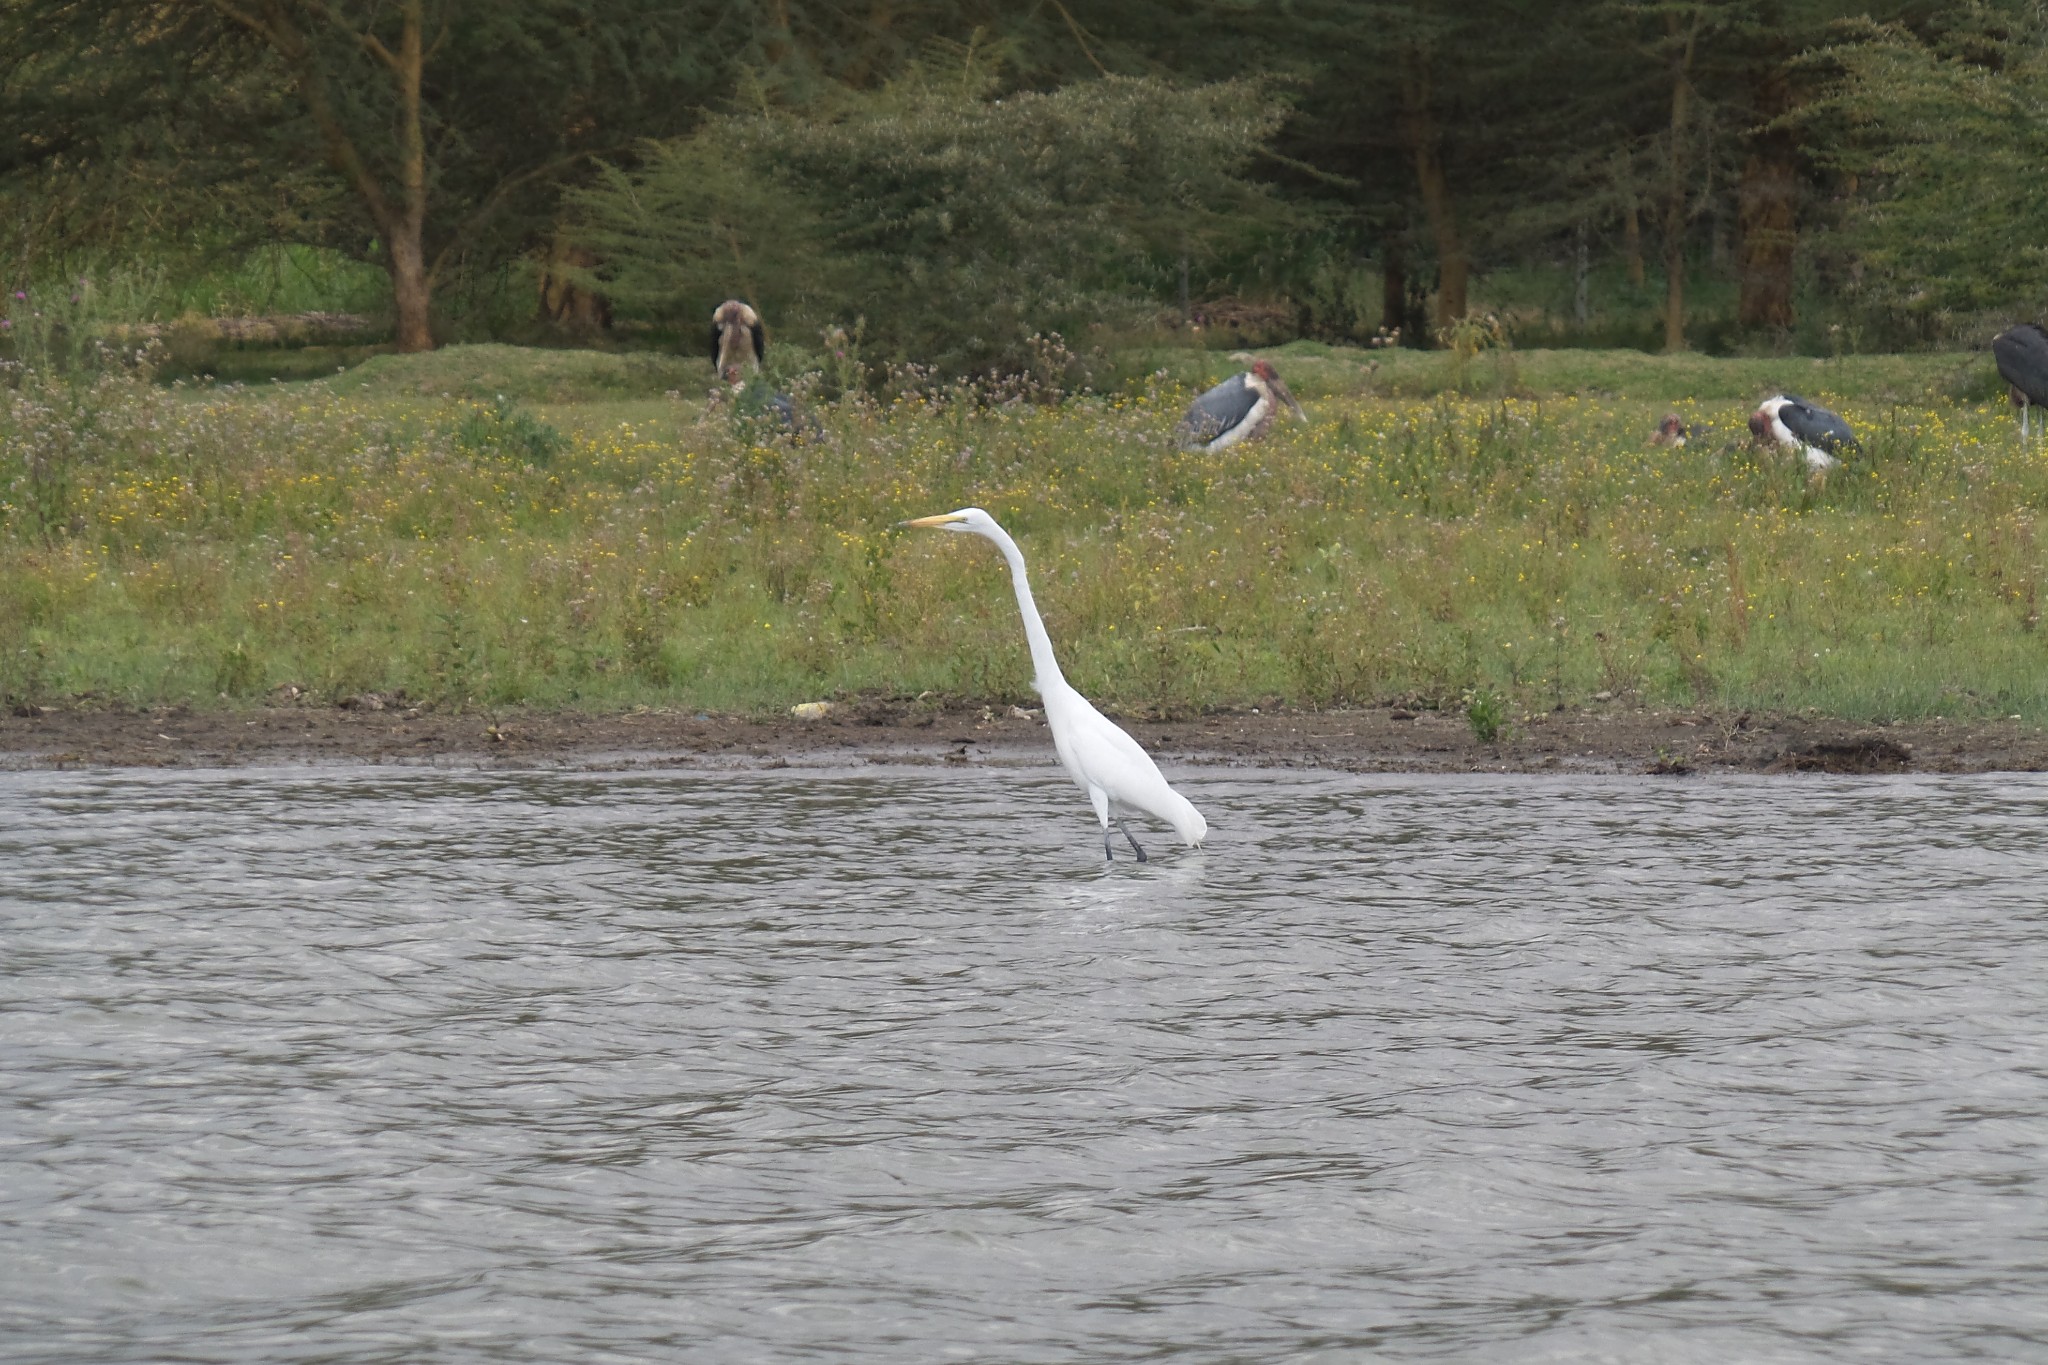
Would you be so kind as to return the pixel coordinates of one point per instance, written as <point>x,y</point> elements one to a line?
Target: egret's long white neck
<point>1042,661</point>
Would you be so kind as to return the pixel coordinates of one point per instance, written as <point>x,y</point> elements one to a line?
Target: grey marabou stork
<point>1794,423</point>
<point>2022,356</point>
<point>1238,409</point>
<point>1671,432</point>
<point>735,330</point>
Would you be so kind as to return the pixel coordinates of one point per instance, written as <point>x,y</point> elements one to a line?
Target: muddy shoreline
<point>1602,739</point>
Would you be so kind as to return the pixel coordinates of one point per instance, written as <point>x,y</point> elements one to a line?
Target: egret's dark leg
<point>1134,843</point>
<point>1107,852</point>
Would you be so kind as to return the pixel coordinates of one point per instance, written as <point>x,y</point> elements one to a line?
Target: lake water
<point>380,1065</point>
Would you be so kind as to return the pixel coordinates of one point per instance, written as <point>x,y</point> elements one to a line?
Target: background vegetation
<point>1754,176</point>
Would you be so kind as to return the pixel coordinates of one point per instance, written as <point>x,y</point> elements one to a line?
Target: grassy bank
<point>372,535</point>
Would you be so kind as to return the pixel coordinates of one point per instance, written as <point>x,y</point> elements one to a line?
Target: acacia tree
<point>1945,134</point>
<point>958,224</point>
<point>448,125</point>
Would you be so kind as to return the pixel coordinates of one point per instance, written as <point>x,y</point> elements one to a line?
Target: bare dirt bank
<point>1391,738</point>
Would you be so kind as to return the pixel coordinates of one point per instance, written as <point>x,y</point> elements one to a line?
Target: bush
<point>959,225</point>
<point>508,430</point>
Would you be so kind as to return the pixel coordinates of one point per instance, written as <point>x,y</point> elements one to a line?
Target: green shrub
<point>509,431</point>
<point>960,225</point>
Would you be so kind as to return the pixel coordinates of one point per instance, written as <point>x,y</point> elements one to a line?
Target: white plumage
<point>1119,776</point>
<point>1795,424</point>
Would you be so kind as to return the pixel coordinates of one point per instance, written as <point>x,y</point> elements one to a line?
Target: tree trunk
<point>1767,212</point>
<point>412,285</point>
<point>1582,269</point>
<point>1632,243</point>
<point>411,294</point>
<point>1425,143</point>
<point>1393,286</point>
<point>565,303</point>
<point>777,45</point>
<point>1674,292</point>
<point>1677,165</point>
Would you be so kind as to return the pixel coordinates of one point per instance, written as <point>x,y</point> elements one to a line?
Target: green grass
<point>366,533</point>
<point>484,372</point>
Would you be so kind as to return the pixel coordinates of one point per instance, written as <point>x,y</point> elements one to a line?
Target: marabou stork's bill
<point>1671,432</point>
<point>2022,356</point>
<point>1238,409</point>
<point>1796,424</point>
<point>737,340</point>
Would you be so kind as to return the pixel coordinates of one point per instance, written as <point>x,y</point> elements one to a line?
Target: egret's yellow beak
<point>940,520</point>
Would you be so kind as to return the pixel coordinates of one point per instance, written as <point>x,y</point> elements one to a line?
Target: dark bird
<point>2022,356</point>
<point>736,330</point>
<point>1798,425</point>
<point>1671,432</point>
<point>1238,409</point>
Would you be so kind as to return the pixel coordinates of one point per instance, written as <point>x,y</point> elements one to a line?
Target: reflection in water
<point>500,1067</point>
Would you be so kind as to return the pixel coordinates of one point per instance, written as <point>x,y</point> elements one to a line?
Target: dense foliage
<point>1951,135</point>
<point>1664,173</point>
<point>958,224</point>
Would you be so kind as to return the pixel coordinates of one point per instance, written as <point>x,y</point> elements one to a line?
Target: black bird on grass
<point>736,330</point>
<point>2022,356</point>
<point>1806,427</point>
<point>1238,409</point>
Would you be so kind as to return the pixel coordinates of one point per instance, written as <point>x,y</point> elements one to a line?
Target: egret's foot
<point>1135,846</point>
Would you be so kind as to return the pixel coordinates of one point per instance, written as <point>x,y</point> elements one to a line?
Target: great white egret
<point>1120,777</point>
<point>1806,427</point>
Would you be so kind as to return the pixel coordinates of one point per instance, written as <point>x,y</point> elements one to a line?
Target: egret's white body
<point>1120,777</point>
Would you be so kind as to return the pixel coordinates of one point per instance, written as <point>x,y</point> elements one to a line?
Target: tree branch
<point>494,201</point>
<point>236,14</point>
<point>370,42</point>
<point>1079,38</point>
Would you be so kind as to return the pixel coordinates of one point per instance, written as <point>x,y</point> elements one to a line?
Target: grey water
<point>888,1065</point>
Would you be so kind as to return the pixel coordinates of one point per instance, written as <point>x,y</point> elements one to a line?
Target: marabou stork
<point>1238,409</point>
<point>735,330</point>
<point>2022,355</point>
<point>1671,432</point>
<point>1793,422</point>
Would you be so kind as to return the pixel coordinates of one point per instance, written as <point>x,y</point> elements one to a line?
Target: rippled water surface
<point>411,1066</point>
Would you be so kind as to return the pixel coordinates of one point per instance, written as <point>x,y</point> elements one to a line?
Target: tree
<point>448,125</point>
<point>957,223</point>
<point>1945,134</point>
